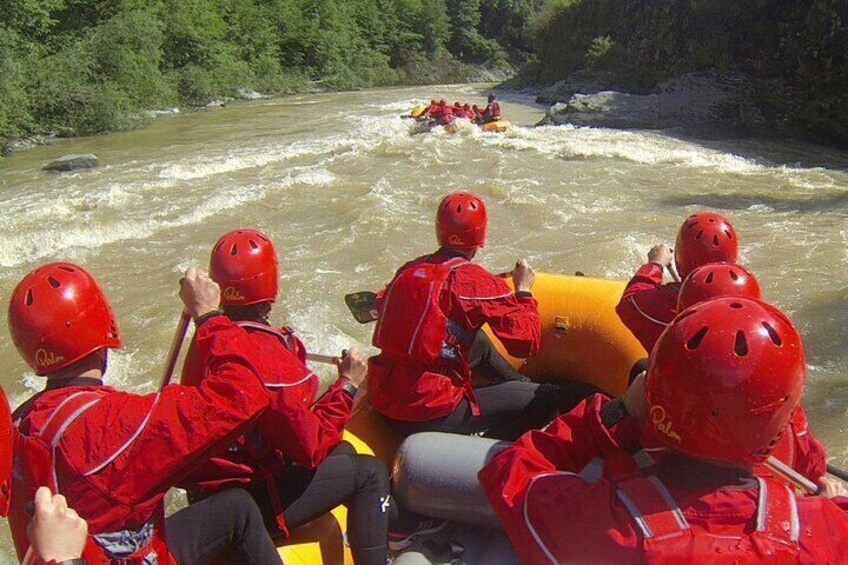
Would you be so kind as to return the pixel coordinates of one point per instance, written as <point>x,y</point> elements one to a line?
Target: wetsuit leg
<point>485,360</point>
<point>507,409</point>
<point>359,481</point>
<point>228,520</point>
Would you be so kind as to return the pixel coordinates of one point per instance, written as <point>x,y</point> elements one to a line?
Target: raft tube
<point>583,338</point>
<point>497,126</point>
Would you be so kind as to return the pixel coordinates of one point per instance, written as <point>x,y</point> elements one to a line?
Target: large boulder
<point>73,163</point>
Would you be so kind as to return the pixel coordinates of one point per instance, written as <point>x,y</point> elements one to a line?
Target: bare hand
<point>523,276</point>
<point>56,532</point>
<point>831,487</point>
<point>199,293</point>
<point>661,255</point>
<point>634,399</point>
<point>354,367</point>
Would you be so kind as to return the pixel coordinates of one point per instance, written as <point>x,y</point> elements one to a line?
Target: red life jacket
<point>35,466</point>
<point>253,449</point>
<point>297,375</point>
<point>412,326</point>
<point>668,538</point>
<point>665,535</point>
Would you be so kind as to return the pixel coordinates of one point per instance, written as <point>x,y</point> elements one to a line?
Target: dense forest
<point>75,67</point>
<point>85,66</point>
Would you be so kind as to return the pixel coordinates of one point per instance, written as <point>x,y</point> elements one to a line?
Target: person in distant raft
<point>492,111</point>
<point>797,447</point>
<point>114,455</point>
<point>292,459</point>
<point>723,382</point>
<point>647,305</point>
<point>430,339</point>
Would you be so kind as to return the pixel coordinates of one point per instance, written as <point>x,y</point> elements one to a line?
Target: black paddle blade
<point>362,306</point>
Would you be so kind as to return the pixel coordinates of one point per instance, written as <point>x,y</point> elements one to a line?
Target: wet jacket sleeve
<point>810,453</point>
<point>478,297</point>
<point>182,426</point>
<point>305,435</point>
<point>647,305</point>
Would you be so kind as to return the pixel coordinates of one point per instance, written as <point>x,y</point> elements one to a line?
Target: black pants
<point>509,407</point>
<point>228,520</point>
<point>358,481</point>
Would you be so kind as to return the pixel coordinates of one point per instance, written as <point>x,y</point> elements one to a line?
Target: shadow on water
<point>824,201</point>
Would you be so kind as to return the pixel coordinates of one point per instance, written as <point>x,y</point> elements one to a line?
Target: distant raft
<point>422,124</point>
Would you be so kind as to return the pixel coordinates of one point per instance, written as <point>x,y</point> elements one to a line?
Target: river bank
<point>429,76</point>
<point>708,104</point>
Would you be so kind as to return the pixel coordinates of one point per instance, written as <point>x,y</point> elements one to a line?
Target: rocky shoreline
<point>708,104</point>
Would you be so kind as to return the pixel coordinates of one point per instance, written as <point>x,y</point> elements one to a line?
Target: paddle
<point>362,306</point>
<point>792,475</point>
<point>176,345</point>
<point>318,358</point>
<point>837,472</point>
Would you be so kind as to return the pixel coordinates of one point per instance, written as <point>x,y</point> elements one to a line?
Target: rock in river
<point>73,163</point>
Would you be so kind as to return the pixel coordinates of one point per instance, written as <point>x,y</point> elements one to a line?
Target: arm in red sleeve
<point>810,453</point>
<point>182,426</point>
<point>649,276</point>
<point>478,297</point>
<point>305,435</point>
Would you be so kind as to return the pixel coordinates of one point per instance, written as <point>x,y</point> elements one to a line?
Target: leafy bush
<point>14,111</point>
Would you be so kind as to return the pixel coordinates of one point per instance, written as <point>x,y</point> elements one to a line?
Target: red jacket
<point>646,308</point>
<point>469,298</point>
<point>647,305</point>
<point>531,482</point>
<point>116,460</point>
<point>291,428</point>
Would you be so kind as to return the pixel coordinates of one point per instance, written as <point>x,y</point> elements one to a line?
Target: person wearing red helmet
<point>492,111</point>
<point>715,280</point>
<point>647,305</point>
<point>292,459</point>
<point>114,455</point>
<point>446,115</point>
<point>722,384</point>
<point>430,339</point>
<point>797,447</point>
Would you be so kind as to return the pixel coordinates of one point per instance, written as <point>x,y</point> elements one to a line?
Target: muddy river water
<point>348,195</point>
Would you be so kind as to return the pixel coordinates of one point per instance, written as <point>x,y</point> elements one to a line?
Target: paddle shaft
<point>837,472</point>
<point>176,345</point>
<point>792,475</point>
<point>318,358</point>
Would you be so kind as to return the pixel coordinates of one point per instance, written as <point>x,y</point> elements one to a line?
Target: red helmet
<point>704,238</point>
<point>58,314</point>
<point>443,102</point>
<point>461,221</point>
<point>5,454</point>
<point>724,379</point>
<point>714,280</point>
<point>244,264</point>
